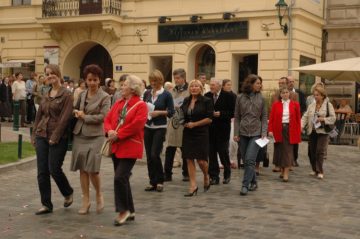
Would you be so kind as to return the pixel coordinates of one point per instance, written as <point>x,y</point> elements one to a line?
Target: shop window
<point>21,2</point>
<point>305,80</point>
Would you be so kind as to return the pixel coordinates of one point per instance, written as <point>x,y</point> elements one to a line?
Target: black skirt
<point>196,143</point>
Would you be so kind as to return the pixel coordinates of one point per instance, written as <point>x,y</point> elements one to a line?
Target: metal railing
<point>71,8</point>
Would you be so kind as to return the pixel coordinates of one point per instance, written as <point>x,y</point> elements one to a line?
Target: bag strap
<point>327,109</point>
<point>132,107</point>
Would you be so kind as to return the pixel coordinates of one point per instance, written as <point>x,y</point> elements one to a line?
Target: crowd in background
<point>199,120</point>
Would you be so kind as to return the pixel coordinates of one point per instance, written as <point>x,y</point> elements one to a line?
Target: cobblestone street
<point>305,207</point>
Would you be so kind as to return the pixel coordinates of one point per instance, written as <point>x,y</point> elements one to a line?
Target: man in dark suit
<point>224,105</point>
<point>302,102</point>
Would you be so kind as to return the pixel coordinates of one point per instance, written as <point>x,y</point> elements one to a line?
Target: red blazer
<point>275,122</point>
<point>131,133</point>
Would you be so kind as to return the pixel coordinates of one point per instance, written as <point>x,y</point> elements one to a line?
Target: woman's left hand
<point>79,114</point>
<point>112,135</point>
<point>320,119</point>
<point>190,125</point>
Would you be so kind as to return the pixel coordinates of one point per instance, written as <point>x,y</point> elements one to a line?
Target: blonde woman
<point>319,113</point>
<point>198,112</point>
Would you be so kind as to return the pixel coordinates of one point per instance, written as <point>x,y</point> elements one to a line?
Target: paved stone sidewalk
<point>304,207</point>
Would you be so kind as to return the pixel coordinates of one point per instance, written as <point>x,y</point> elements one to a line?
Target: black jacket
<point>5,93</point>
<point>302,101</point>
<point>225,103</point>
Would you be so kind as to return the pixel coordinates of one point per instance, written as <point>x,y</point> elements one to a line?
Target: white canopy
<point>344,70</point>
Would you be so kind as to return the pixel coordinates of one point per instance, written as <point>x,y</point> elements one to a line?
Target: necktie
<point>215,98</point>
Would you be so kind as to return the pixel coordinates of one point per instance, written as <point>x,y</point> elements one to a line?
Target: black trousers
<point>50,159</point>
<point>220,147</point>
<point>123,196</point>
<point>31,110</point>
<point>169,161</point>
<point>154,139</point>
<point>296,151</point>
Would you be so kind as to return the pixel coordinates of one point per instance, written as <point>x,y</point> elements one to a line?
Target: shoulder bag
<point>106,147</point>
<point>330,128</point>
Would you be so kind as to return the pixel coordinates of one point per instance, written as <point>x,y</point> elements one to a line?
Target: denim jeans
<point>249,151</point>
<point>50,159</point>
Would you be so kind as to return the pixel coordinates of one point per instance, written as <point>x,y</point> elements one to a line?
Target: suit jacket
<point>302,101</point>
<point>225,103</point>
<point>275,122</point>
<point>95,111</point>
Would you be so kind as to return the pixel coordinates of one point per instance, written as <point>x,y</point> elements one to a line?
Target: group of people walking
<point>185,117</point>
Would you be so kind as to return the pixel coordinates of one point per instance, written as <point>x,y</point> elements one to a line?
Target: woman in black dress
<point>198,111</point>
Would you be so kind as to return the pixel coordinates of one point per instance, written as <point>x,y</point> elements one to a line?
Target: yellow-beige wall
<point>26,34</point>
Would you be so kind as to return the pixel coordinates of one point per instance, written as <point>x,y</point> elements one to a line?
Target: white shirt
<point>19,90</point>
<point>286,113</point>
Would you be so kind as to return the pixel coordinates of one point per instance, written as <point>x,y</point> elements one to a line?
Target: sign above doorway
<point>204,31</point>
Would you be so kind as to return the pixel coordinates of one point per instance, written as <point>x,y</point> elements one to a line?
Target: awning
<point>15,63</point>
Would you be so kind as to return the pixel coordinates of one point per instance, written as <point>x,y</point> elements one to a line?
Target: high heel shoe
<point>206,188</point>
<point>100,205</point>
<point>193,193</point>
<point>84,210</point>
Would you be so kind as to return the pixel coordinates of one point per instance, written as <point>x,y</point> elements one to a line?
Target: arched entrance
<point>85,53</point>
<point>202,59</point>
<point>98,55</point>
<point>205,61</point>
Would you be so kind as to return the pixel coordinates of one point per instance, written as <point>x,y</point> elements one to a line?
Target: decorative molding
<point>113,28</point>
<point>54,33</point>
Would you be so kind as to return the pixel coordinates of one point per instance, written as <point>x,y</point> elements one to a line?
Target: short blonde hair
<point>317,84</point>
<point>196,81</point>
<point>136,84</point>
<point>321,91</point>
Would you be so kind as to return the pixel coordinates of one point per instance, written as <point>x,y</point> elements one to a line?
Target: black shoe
<point>296,164</point>
<point>68,200</point>
<point>244,191</point>
<point>167,178</point>
<point>253,187</point>
<point>193,193</point>
<point>214,181</point>
<point>186,179</point>
<point>206,188</point>
<point>43,210</point>
<point>226,181</point>
<point>150,188</point>
<point>121,221</point>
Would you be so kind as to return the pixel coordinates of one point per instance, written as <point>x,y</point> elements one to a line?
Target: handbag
<point>106,147</point>
<point>330,128</point>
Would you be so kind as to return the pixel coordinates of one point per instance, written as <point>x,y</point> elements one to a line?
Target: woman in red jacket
<point>131,113</point>
<point>285,127</point>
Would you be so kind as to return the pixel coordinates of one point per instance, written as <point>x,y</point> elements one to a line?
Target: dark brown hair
<point>93,69</point>
<point>250,80</point>
<point>180,72</point>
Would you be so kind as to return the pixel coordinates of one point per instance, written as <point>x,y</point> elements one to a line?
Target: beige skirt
<point>86,153</point>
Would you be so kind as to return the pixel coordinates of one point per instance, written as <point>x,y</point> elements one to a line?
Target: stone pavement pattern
<point>304,207</point>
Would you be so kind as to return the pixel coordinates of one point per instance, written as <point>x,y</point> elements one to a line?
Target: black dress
<point>196,140</point>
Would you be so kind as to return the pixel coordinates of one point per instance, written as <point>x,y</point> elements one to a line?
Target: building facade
<point>342,39</point>
<point>224,38</point>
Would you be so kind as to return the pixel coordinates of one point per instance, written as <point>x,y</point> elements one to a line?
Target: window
<point>21,2</point>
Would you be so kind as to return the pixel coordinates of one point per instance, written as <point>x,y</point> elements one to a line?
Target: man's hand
<point>217,114</point>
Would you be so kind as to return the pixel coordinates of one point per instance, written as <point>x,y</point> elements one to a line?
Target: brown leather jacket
<point>53,116</point>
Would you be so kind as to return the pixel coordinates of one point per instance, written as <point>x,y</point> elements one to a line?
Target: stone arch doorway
<point>202,59</point>
<point>83,54</point>
<point>98,55</point>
